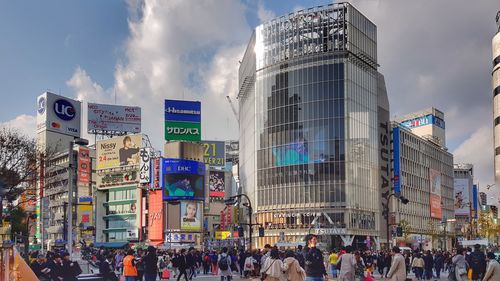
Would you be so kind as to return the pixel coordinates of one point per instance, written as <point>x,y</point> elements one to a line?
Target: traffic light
<point>261,232</point>
<point>404,200</point>
<point>241,233</point>
<point>399,231</point>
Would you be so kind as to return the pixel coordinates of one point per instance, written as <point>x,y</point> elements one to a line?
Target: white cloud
<point>26,124</point>
<point>263,14</point>
<point>478,150</point>
<point>180,50</point>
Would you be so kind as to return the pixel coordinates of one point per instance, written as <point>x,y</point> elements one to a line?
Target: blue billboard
<point>183,111</point>
<point>397,159</point>
<point>475,200</point>
<point>182,179</point>
<point>423,121</point>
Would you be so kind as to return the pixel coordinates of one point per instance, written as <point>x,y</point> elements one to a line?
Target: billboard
<point>397,159</point>
<point>155,174</point>
<point>146,153</point>
<point>118,151</point>
<point>116,118</point>
<point>435,193</point>
<point>191,215</point>
<point>423,121</point>
<point>155,216</point>
<point>180,237</point>
<point>118,178</point>
<point>182,120</point>
<point>216,184</point>
<point>84,212</point>
<point>475,199</point>
<point>182,179</point>
<point>214,153</point>
<point>461,197</point>
<point>58,114</point>
<point>83,165</point>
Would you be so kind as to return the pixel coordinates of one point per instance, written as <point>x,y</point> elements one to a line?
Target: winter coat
<point>273,268</point>
<point>397,272</point>
<point>292,269</point>
<point>347,267</point>
<point>493,271</point>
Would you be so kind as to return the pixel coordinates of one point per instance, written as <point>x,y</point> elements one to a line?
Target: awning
<point>111,244</point>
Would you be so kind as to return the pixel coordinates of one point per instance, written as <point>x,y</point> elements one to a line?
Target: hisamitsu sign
<point>182,120</point>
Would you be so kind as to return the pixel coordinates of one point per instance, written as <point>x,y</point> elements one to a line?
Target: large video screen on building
<point>182,179</point>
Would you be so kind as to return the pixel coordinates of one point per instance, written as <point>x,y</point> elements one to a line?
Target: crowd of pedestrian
<point>271,264</point>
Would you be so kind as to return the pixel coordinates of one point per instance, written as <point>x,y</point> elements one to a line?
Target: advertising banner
<point>116,118</point>
<point>182,179</point>
<point>191,215</point>
<point>214,153</point>
<point>221,235</point>
<point>118,151</point>
<point>217,184</point>
<point>155,174</point>
<point>435,194</point>
<point>180,237</point>
<point>155,213</point>
<point>84,212</point>
<point>182,120</point>
<point>146,153</point>
<point>461,192</point>
<point>83,165</point>
<point>397,159</point>
<point>58,114</point>
<point>182,131</point>
<point>113,179</point>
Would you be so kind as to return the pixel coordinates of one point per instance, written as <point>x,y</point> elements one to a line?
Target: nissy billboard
<point>182,179</point>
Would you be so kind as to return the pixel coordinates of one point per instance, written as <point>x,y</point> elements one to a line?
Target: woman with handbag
<point>460,265</point>
<point>292,269</point>
<point>272,267</point>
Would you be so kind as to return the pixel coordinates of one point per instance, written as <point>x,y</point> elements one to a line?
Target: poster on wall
<point>191,215</point>
<point>217,184</point>
<point>83,165</point>
<point>182,179</point>
<point>118,151</point>
<point>435,194</point>
<point>461,197</point>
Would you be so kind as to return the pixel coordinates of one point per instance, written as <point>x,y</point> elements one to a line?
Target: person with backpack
<point>458,271</point>
<point>477,263</point>
<point>206,263</point>
<point>150,264</point>
<point>129,269</point>
<point>493,272</point>
<point>418,265</point>
<point>224,264</point>
<point>438,264</point>
<point>213,259</point>
<point>428,265</point>
<point>272,268</point>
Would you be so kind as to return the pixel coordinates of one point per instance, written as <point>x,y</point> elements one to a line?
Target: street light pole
<point>250,219</point>
<point>404,201</point>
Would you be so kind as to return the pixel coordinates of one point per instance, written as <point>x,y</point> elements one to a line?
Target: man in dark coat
<point>55,269</point>
<point>477,263</point>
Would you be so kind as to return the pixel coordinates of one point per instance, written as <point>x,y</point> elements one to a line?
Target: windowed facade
<point>308,122</point>
<point>496,102</point>
<point>120,213</point>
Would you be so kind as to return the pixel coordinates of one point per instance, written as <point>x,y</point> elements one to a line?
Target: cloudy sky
<point>432,53</point>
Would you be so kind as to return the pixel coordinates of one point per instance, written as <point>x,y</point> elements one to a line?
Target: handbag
<point>264,274</point>
<point>165,274</point>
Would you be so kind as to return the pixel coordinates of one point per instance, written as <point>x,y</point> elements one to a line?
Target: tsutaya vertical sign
<point>384,139</point>
<point>182,120</point>
<point>145,155</point>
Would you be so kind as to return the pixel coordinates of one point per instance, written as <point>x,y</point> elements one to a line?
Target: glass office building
<point>309,99</point>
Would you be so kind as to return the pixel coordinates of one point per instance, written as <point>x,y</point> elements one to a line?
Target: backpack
<point>476,261</point>
<point>451,273</point>
<point>223,263</point>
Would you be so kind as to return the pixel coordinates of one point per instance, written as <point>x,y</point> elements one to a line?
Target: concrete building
<point>428,124</point>
<point>463,198</point>
<point>495,77</point>
<point>309,100</point>
<point>423,173</point>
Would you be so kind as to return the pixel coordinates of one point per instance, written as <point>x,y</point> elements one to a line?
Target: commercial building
<point>495,77</point>
<point>309,99</point>
<point>463,199</point>
<point>428,124</point>
<point>423,173</point>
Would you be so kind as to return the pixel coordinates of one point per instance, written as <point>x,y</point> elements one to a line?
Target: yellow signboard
<point>221,235</point>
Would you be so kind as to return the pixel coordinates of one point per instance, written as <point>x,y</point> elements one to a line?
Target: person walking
<point>428,265</point>
<point>150,264</point>
<point>129,269</point>
<point>182,265</point>
<point>493,271</point>
<point>292,269</point>
<point>460,265</point>
<point>347,265</point>
<point>477,263</point>
<point>332,260</point>
<point>272,267</point>
<point>314,266</point>
<point>55,269</point>
<point>107,270</point>
<point>397,271</point>
<point>139,264</point>
<point>438,264</point>
<point>418,266</point>
<point>359,271</point>
<point>224,263</point>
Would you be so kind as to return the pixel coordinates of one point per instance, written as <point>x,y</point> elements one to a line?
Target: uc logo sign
<point>41,105</point>
<point>64,110</point>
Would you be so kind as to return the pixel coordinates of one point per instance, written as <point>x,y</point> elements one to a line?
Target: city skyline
<point>432,57</point>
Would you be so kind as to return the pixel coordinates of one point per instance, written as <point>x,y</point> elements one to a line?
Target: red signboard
<point>222,220</point>
<point>42,176</point>
<point>155,179</point>
<point>155,215</point>
<point>228,216</point>
<point>83,165</point>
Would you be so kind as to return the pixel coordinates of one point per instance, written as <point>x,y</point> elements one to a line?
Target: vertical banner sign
<point>182,120</point>
<point>435,194</point>
<point>83,165</point>
<point>145,164</point>
<point>155,220</point>
<point>222,220</point>
<point>155,174</point>
<point>397,159</point>
<point>474,198</point>
<point>461,189</point>
<point>228,215</point>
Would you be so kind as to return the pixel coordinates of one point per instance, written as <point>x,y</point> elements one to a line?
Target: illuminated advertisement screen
<point>182,179</point>
<point>191,215</point>
<point>216,184</point>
